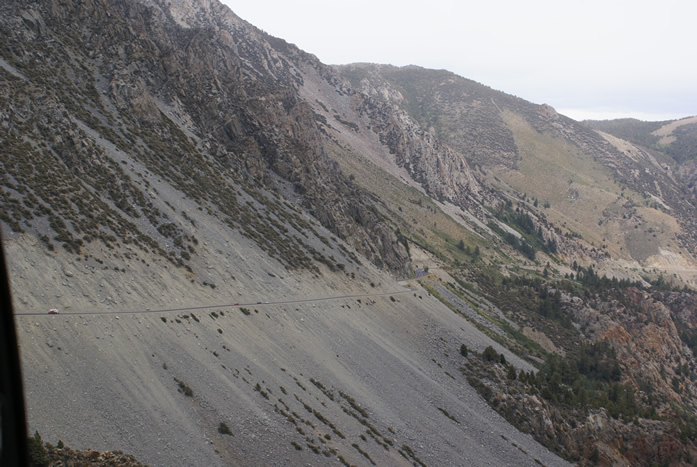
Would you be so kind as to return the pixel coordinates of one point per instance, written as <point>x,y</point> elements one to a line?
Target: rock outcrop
<point>216,94</point>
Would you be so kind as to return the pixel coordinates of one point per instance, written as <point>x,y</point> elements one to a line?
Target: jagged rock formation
<point>519,142</point>
<point>663,154</point>
<point>199,100</point>
<point>636,423</point>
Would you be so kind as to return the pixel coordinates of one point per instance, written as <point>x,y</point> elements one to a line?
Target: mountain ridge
<point>544,119</point>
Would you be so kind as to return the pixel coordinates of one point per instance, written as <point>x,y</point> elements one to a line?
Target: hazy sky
<point>592,59</point>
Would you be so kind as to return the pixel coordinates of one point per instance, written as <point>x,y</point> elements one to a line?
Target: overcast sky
<point>592,59</point>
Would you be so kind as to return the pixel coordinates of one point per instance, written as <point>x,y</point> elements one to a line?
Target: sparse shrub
<point>37,451</point>
<point>184,388</point>
<point>463,350</point>
<point>264,394</point>
<point>365,454</point>
<point>223,429</point>
<point>490,355</point>
<point>447,414</point>
<point>354,404</point>
<point>595,456</point>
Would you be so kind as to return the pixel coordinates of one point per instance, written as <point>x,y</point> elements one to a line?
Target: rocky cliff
<point>204,100</point>
<point>584,178</point>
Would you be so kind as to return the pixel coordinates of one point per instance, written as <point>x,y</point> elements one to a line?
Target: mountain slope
<point>621,200</point>
<point>238,128</point>
<point>220,219</point>
<point>674,143</point>
<point>675,138</point>
<point>157,157</point>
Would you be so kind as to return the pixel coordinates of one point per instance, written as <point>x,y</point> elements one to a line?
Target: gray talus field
<point>367,378</point>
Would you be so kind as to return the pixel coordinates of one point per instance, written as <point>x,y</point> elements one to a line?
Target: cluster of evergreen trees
<point>589,278</point>
<point>550,307</point>
<point>474,253</point>
<point>540,298</point>
<point>519,244</point>
<point>589,379</point>
<point>531,239</point>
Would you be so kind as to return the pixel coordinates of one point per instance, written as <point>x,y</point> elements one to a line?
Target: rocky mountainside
<point>218,121</point>
<point>221,220</point>
<point>629,201</point>
<point>676,139</point>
